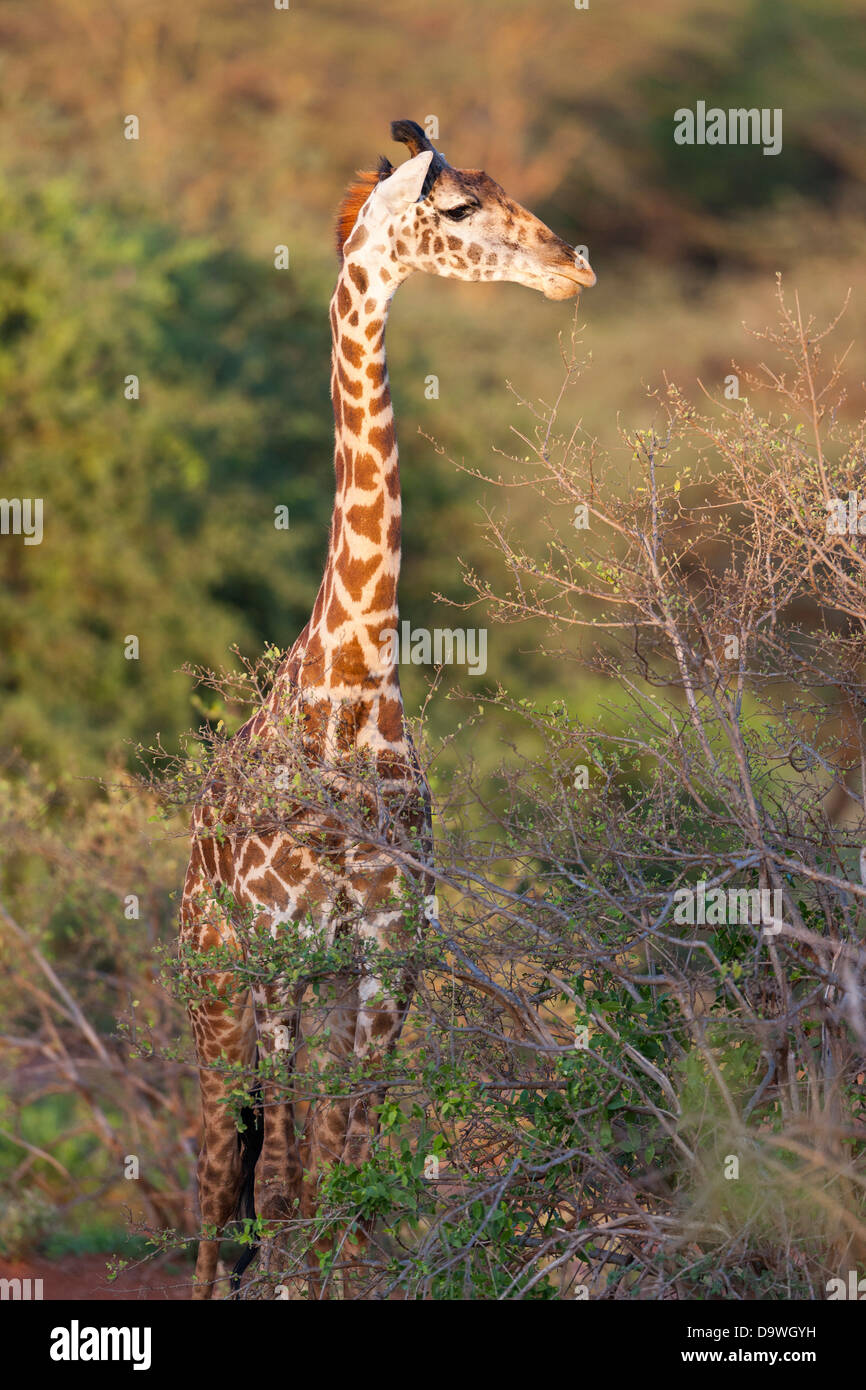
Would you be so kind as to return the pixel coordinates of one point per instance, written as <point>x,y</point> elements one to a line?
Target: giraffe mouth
<point>562,284</point>
<point>581,275</point>
<point>564,281</point>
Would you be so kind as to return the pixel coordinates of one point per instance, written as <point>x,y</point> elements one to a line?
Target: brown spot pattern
<point>367,472</point>
<point>367,521</point>
<point>352,351</point>
<point>360,279</point>
<point>383,439</point>
<point>353,418</point>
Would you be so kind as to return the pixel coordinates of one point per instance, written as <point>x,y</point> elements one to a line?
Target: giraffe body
<point>336,698</point>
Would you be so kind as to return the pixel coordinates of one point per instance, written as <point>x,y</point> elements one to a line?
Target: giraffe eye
<point>458,214</point>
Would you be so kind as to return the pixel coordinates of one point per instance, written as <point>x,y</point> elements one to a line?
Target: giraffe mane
<point>355,197</point>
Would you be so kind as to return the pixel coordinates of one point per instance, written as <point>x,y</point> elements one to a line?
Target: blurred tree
<point>158,511</point>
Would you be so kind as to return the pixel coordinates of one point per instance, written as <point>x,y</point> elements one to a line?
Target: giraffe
<point>337,692</point>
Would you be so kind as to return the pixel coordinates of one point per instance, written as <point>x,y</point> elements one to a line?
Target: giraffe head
<point>457,223</point>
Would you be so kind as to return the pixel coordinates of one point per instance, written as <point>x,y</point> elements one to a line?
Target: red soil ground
<point>84,1279</point>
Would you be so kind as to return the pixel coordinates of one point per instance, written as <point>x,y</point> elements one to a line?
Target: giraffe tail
<point>250,1138</point>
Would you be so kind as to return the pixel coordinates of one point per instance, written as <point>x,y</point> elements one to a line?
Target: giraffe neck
<point>344,649</point>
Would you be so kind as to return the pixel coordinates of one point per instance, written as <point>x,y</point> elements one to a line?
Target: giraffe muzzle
<point>568,276</point>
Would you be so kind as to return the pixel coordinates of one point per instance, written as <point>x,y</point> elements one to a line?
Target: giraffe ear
<point>403,187</point>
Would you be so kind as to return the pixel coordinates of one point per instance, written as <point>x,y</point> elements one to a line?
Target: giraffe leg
<point>278,1174</point>
<point>328,1030</point>
<point>220,1170</point>
<point>382,1007</point>
<point>223,1027</point>
<point>275,1182</point>
<point>379,1021</point>
<point>384,993</point>
<point>381,1016</point>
